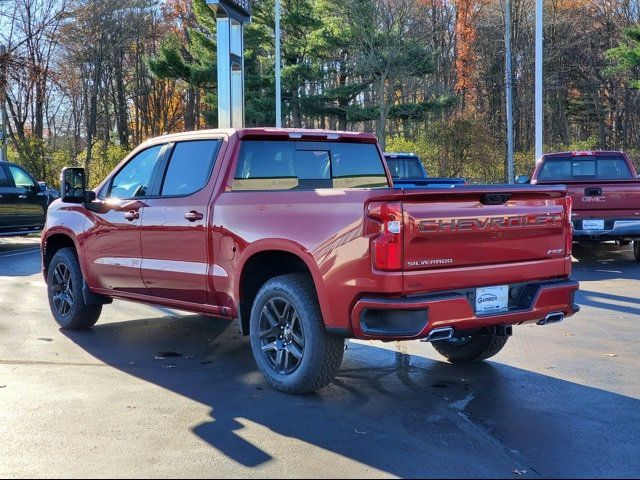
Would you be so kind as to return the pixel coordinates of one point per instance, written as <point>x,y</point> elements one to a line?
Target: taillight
<point>569,236</point>
<point>386,246</point>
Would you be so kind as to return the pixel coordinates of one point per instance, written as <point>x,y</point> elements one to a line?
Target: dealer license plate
<point>593,224</point>
<point>492,299</point>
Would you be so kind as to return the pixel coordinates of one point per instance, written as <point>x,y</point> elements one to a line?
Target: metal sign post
<point>4,60</point>
<point>539,106</point>
<point>508,87</point>
<point>231,15</point>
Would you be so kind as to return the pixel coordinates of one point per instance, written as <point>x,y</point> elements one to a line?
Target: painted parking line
<point>23,252</point>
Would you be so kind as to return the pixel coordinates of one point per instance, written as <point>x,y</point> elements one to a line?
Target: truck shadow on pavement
<point>604,261</point>
<point>19,257</point>
<point>406,415</point>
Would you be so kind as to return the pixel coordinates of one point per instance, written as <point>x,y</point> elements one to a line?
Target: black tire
<point>321,352</point>
<point>65,298</point>
<point>636,250</point>
<point>473,348</point>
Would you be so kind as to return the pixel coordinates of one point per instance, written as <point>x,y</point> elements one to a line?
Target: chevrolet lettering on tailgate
<point>490,223</point>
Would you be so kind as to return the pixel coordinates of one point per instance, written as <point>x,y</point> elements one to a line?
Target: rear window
<point>405,167</point>
<point>287,165</point>
<point>585,168</point>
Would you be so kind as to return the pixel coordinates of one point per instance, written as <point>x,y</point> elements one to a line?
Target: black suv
<point>23,201</point>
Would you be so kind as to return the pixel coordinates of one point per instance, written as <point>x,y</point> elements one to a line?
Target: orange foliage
<point>465,39</point>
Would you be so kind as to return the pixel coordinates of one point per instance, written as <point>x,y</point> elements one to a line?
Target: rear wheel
<point>290,344</point>
<point>64,286</point>
<point>471,348</point>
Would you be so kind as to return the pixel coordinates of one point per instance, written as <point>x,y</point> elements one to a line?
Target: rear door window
<point>20,177</point>
<point>288,165</point>
<point>190,167</point>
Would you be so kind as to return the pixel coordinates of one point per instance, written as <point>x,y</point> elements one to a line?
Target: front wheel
<point>290,344</point>
<point>64,285</point>
<point>472,348</point>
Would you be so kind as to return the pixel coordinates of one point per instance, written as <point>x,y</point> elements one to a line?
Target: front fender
<point>67,220</point>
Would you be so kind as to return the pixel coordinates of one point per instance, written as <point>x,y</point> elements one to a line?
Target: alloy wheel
<point>281,336</point>
<point>63,297</point>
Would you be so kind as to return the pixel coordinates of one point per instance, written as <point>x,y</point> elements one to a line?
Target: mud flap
<point>91,298</point>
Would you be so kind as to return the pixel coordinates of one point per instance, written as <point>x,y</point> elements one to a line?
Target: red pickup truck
<point>605,190</point>
<point>300,235</point>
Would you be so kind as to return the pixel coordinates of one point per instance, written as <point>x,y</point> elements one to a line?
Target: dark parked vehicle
<point>408,171</point>
<point>23,201</point>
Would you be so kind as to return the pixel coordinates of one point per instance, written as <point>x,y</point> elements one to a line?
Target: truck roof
<point>269,132</point>
<point>584,153</point>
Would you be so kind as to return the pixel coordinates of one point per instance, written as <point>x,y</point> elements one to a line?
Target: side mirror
<point>73,186</point>
<point>523,179</point>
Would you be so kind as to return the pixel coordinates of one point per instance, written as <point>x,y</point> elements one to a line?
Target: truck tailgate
<point>615,195</point>
<point>473,226</point>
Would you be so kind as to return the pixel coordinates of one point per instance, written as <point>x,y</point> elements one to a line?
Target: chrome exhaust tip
<point>438,334</point>
<point>554,317</point>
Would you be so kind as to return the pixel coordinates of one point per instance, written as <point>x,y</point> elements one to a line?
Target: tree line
<point>87,80</point>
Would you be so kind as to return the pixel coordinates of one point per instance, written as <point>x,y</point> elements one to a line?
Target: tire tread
<point>83,316</point>
<point>331,348</point>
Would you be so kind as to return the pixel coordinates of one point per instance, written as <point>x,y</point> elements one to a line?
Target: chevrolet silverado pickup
<point>605,190</point>
<point>301,236</point>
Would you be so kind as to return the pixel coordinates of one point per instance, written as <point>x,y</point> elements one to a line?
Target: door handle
<point>132,215</point>
<point>192,216</point>
<point>22,195</point>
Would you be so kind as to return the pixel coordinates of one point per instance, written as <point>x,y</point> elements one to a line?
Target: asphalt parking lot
<point>560,400</point>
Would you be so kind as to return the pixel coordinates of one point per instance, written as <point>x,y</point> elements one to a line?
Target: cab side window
<point>190,167</point>
<point>21,178</point>
<point>134,179</point>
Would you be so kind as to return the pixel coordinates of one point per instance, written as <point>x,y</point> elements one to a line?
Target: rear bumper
<point>615,229</point>
<point>414,317</point>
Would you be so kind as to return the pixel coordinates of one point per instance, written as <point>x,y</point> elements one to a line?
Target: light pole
<point>508,91</point>
<point>4,61</point>
<point>278,88</point>
<point>539,113</point>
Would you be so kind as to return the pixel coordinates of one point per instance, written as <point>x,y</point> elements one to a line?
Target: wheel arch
<point>55,241</point>
<point>266,261</point>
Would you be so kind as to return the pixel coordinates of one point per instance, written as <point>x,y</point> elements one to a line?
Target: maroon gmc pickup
<point>301,236</point>
<point>605,190</point>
